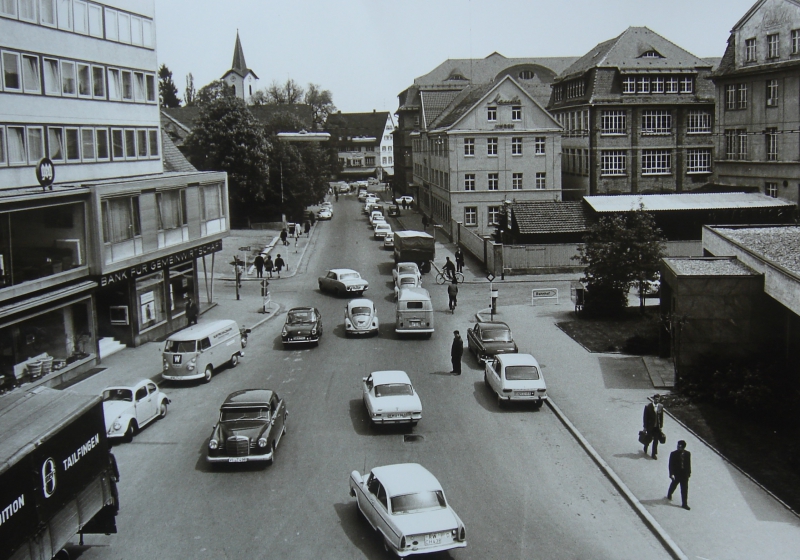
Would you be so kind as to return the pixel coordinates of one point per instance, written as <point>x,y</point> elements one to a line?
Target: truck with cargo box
<point>57,475</point>
<point>414,246</point>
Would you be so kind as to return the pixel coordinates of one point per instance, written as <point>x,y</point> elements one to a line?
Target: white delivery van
<point>196,351</point>
<point>414,312</point>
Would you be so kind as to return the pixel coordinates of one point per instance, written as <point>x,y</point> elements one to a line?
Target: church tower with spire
<point>243,80</point>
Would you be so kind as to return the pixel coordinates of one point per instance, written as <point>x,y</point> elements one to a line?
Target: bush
<point>601,300</point>
<point>641,345</point>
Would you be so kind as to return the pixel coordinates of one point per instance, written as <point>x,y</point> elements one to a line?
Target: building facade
<point>387,150</point>
<point>637,113</point>
<point>83,195</point>
<point>357,139</point>
<point>495,144</point>
<point>243,80</point>
<point>757,112</point>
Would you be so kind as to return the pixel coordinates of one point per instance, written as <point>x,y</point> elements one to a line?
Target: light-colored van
<point>196,351</point>
<point>414,312</point>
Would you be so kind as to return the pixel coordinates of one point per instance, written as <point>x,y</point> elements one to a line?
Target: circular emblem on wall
<point>45,172</point>
<point>49,477</point>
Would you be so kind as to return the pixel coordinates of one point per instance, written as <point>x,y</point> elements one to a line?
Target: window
<point>699,122</point>
<point>539,144</point>
<point>127,85</point>
<point>136,31</point>
<point>2,146</point>
<point>643,84</point>
<point>8,8</point>
<point>613,162</point>
<point>121,220</point>
<point>516,181</point>
<point>98,82</point>
<point>130,144</point>
<point>672,85</point>
<point>64,12</point>
<point>87,144</point>
<point>138,87</point>
<point>771,189</point>
<point>171,214</point>
<point>657,85</point>
<point>494,181</point>
<point>795,41</point>
<point>494,215</point>
<point>141,143</point>
<point>147,33</point>
<point>73,144</point>
<point>117,143</point>
<point>771,137</point>
<point>12,79</point>
<point>491,114</point>
<point>469,182</point>
<point>17,151</point>
<point>47,12</point>
<point>516,146</point>
<point>84,80</point>
<point>750,50</point>
<point>656,122</point>
<point>154,145</point>
<point>212,202</point>
<point>55,137</point>
<point>80,12</point>
<point>112,25</point>
<point>773,42</point>
<point>687,84</point>
<point>52,77</point>
<point>101,138</point>
<point>124,27</point>
<point>613,122</point>
<point>30,74</point>
<point>736,144</point>
<point>35,144</point>
<point>491,146</point>
<point>516,113</point>
<point>470,216</point>
<point>27,10</point>
<point>541,180</point>
<point>772,93</point>
<point>699,160</point>
<point>114,84</point>
<point>629,85</point>
<point>95,20</point>
<point>656,162</point>
<point>742,96</point>
<point>68,79</point>
<point>469,146</point>
<point>730,97</point>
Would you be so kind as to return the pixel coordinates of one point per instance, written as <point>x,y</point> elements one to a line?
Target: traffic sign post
<point>492,295</point>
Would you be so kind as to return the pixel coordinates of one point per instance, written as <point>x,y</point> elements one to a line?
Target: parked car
<point>343,281</point>
<point>394,210</point>
<point>388,241</point>
<point>381,229</point>
<point>407,506</point>
<point>515,377</point>
<point>251,424</point>
<point>375,215</point>
<point>303,325</point>
<point>407,198</point>
<point>406,268</point>
<point>127,409</point>
<point>196,351</point>
<point>360,317</point>
<point>406,280</point>
<point>325,214</point>
<point>489,338</point>
<point>390,398</point>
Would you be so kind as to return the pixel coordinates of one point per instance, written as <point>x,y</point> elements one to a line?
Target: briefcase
<point>644,437</point>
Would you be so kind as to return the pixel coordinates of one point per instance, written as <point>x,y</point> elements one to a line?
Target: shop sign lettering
<point>499,101</point>
<point>159,264</point>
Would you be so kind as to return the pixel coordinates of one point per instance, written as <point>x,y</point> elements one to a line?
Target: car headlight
<point>347,323</point>
<point>116,426</point>
<point>213,444</point>
<point>314,331</point>
<point>283,332</point>
<point>262,442</point>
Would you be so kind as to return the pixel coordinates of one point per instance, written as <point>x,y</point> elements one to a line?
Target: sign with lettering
<point>504,126</point>
<point>45,173</point>
<point>544,293</point>
<point>500,101</point>
<point>161,263</point>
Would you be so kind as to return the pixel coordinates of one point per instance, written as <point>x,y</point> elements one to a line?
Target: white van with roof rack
<point>196,351</point>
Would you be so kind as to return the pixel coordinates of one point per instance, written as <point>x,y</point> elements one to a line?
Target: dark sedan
<point>490,338</point>
<point>303,325</point>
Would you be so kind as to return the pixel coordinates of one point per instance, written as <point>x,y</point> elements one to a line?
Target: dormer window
<point>525,75</point>
<point>651,54</point>
<point>456,75</point>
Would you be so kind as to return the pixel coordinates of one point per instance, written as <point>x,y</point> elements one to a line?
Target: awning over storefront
<point>45,299</point>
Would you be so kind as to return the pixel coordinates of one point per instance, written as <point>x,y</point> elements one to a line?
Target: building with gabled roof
<point>757,115</point>
<point>637,113</point>
<point>358,139</point>
<point>241,78</point>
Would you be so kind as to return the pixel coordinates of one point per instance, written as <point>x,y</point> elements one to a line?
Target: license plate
<point>524,393</point>
<point>415,323</point>
<point>237,460</point>
<point>299,338</point>
<point>398,415</point>
<point>436,538</point>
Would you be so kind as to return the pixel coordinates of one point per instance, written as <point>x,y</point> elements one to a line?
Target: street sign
<point>248,248</point>
<point>490,277</point>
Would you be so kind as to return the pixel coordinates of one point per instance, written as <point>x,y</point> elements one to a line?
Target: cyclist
<point>449,269</point>
<point>452,292</point>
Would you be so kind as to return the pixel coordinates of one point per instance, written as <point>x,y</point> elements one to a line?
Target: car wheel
<point>131,431</point>
<point>162,410</point>
<point>428,335</point>
<point>500,401</point>
<point>234,360</point>
<point>486,380</point>
<point>208,373</point>
<point>539,405</point>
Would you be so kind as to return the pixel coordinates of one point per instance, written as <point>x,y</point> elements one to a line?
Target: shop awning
<point>47,298</point>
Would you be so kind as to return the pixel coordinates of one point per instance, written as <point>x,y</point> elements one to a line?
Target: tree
<point>189,94</point>
<point>321,103</point>
<point>618,250</point>
<point>213,91</point>
<point>290,93</point>
<point>167,92</point>
<point>228,138</point>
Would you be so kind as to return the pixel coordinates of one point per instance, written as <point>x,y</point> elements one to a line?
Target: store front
<point>147,301</point>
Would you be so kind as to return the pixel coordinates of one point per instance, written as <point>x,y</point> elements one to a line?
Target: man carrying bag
<point>653,423</point>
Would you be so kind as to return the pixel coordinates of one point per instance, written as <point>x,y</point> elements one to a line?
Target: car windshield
<point>118,395</point>
<point>393,390</point>
<point>349,276</point>
<point>519,373</point>
<point>421,501</point>
<point>180,346</point>
<point>496,335</point>
<point>406,270</point>
<point>260,413</point>
<point>410,280</point>
<point>296,317</point>
<point>361,311</point>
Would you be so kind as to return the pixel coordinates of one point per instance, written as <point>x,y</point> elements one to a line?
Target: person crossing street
<point>452,292</point>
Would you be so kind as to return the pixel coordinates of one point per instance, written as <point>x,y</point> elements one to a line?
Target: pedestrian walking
<point>296,236</point>
<point>424,222</point>
<point>459,260</point>
<point>307,227</point>
<point>279,264</point>
<point>191,311</point>
<point>269,265</point>
<point>680,469</point>
<point>653,423</point>
<point>456,351</point>
<point>284,236</point>
<point>405,204</point>
<point>452,293</point>
<point>259,264</point>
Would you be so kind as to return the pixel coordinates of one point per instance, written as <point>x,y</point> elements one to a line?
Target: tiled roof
<point>625,53</point>
<point>484,70</point>
<point>682,201</point>
<point>550,216</point>
<point>357,124</point>
<point>434,102</point>
<point>174,160</point>
<point>461,104</point>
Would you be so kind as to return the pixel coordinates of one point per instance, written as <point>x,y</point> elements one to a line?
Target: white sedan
<point>406,505</point>
<point>129,409</point>
<point>390,398</point>
<point>325,213</point>
<point>405,198</point>
<point>515,377</point>
<point>381,229</point>
<point>342,281</point>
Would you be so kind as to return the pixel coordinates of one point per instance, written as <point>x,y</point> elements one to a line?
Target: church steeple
<point>243,80</point>
<point>239,65</point>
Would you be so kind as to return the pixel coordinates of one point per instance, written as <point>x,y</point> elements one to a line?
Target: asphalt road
<point>522,485</point>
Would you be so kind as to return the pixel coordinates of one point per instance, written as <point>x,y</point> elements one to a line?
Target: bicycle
<point>442,278</point>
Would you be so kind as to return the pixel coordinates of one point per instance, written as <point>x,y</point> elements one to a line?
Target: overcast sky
<point>367,51</point>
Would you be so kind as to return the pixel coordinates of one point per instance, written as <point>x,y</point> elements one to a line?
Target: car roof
<point>492,325</point>
<point>406,263</point>
<point>411,233</point>
<point>248,397</point>
<point>413,294</point>
<point>360,302</point>
<point>197,332</point>
<point>301,309</point>
<point>383,225</point>
<point>342,270</point>
<point>389,376</point>
<point>517,360</point>
<point>406,478</point>
<point>132,386</point>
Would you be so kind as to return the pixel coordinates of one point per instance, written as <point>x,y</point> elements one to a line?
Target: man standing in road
<point>259,264</point>
<point>452,293</point>
<point>680,469</point>
<point>653,422</point>
<point>456,351</point>
<point>459,260</point>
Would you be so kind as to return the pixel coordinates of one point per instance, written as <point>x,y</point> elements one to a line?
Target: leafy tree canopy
<point>213,91</point>
<point>167,91</point>
<point>321,103</point>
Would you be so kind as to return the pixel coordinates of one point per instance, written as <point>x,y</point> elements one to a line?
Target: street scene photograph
<point>453,280</point>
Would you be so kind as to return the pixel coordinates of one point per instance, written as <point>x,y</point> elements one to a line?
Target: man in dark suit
<point>680,469</point>
<point>653,422</point>
<point>456,351</point>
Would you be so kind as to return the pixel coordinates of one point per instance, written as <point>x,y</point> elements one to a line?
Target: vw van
<point>196,351</point>
<point>414,312</point>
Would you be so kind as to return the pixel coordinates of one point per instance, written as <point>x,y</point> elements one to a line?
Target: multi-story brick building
<point>111,248</point>
<point>757,111</point>
<point>637,113</point>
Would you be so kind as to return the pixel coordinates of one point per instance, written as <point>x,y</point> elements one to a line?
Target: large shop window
<point>122,229</point>
<point>181,287</point>
<point>172,225</point>
<point>40,242</point>
<point>150,297</point>
<point>213,210</point>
